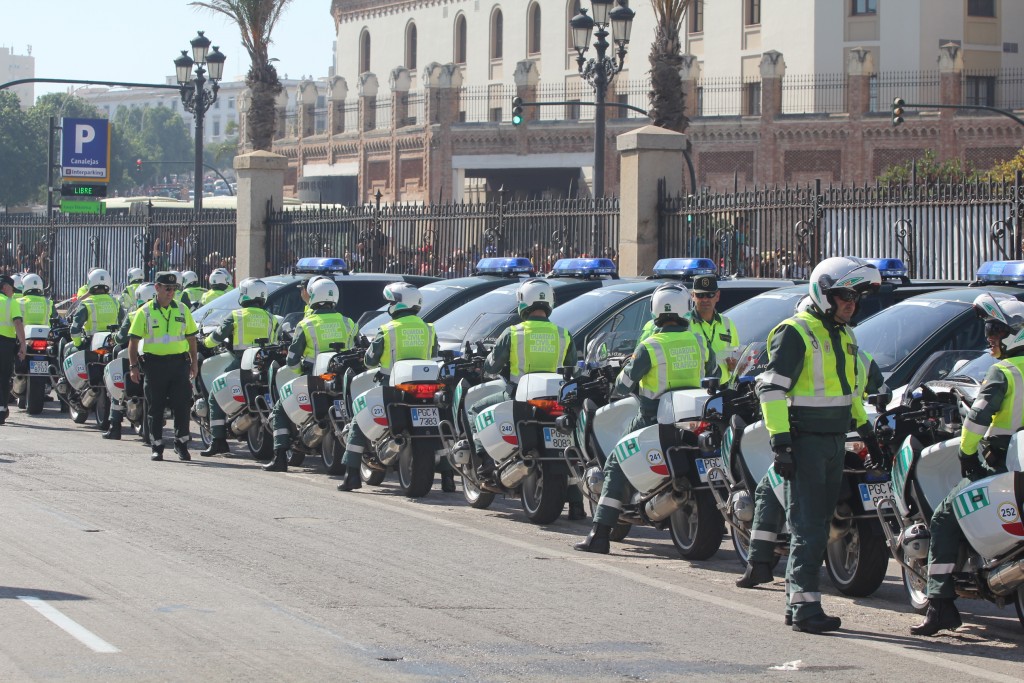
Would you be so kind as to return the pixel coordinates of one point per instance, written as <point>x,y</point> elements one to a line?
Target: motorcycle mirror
<point>262,341</point>
<point>881,399</point>
<point>338,347</point>
<point>712,384</point>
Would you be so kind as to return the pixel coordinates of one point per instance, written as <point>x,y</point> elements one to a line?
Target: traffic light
<point>138,165</point>
<point>517,111</point>
<point>897,111</point>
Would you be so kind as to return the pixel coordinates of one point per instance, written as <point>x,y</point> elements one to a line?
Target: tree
<point>256,20</point>
<point>668,104</point>
<point>21,173</point>
<point>1008,169</point>
<point>929,171</point>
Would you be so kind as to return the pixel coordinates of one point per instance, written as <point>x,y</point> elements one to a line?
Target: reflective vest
<point>1010,416</point>
<point>103,311</point>
<point>251,324</point>
<point>537,346</point>
<point>165,330</point>
<point>9,310</point>
<point>406,338</point>
<point>212,294</point>
<point>82,291</point>
<point>323,329</point>
<point>128,302</point>
<point>677,362</point>
<point>35,309</point>
<point>648,330</point>
<point>721,336</point>
<point>195,294</point>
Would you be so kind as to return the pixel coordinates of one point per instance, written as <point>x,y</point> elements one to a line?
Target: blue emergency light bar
<point>508,266</point>
<point>1001,271</point>
<point>684,267</point>
<point>889,267</point>
<point>320,266</point>
<point>584,267</point>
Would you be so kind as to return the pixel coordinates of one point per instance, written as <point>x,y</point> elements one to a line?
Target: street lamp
<point>600,71</point>
<point>196,98</point>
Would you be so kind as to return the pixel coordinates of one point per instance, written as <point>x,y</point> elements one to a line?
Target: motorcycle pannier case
<point>496,430</point>
<point>227,391</point>
<point>370,414</point>
<point>642,460</point>
<point>296,400</point>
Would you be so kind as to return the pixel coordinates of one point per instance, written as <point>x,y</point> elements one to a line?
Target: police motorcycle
<point>856,559</point>
<point>82,386</point>
<point>32,376</point>
<point>926,429</point>
<point>117,376</point>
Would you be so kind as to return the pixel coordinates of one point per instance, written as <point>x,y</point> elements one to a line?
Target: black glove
<point>784,465</point>
<point>306,365</point>
<point>877,458</point>
<point>970,466</point>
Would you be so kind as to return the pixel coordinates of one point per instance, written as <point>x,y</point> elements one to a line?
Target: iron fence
<point>942,230</point>
<point>814,93</point>
<point>444,240</point>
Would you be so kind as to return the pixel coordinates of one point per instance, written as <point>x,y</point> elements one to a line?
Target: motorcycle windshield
<point>752,361</point>
<point>487,327</point>
<point>609,347</point>
<point>967,367</point>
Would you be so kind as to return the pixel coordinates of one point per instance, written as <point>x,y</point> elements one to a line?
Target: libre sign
<point>85,149</point>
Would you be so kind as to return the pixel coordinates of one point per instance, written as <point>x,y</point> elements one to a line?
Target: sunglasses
<point>847,295</point>
<point>705,295</point>
<point>995,328</point>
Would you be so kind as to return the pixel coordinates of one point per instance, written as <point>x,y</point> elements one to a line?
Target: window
<point>216,128</point>
<point>410,47</point>
<point>980,90</point>
<point>572,110</point>
<point>981,8</point>
<point>753,12</point>
<point>364,52</point>
<point>752,95</point>
<point>460,39</point>
<point>216,104</point>
<point>859,7</point>
<point>533,37</point>
<point>496,114</point>
<point>697,17</point>
<point>700,100</point>
<point>497,34</point>
<point>231,103</point>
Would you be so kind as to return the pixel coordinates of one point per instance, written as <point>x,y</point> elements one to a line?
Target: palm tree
<point>256,20</point>
<point>666,95</point>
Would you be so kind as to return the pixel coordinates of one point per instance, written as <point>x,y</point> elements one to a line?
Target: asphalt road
<point>113,567</point>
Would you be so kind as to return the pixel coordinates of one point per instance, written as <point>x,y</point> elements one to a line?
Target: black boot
<point>448,482</point>
<point>819,623</point>
<point>181,448</point>
<point>280,461</point>
<point>942,614</point>
<point>756,574</point>
<point>216,447</point>
<point>597,541</point>
<point>114,432</point>
<point>352,480</point>
<point>576,511</point>
<point>105,426</point>
<point>157,454</point>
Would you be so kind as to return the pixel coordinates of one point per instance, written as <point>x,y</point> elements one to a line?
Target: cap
<point>705,284</point>
<point>167,277</point>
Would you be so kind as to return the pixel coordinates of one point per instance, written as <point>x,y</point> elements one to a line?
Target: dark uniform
<point>12,340</point>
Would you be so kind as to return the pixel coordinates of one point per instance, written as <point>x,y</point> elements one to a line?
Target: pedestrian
<point>12,340</point>
<point>169,333</point>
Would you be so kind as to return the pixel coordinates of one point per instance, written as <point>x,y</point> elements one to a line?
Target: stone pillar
<point>260,178</point>
<point>951,68</point>
<point>450,85</point>
<point>860,67</point>
<point>337,91</point>
<point>400,81</point>
<point>526,77</point>
<point>689,73</point>
<point>773,69</point>
<point>368,88</point>
<point>648,156</point>
<point>281,113</point>
<point>305,101</point>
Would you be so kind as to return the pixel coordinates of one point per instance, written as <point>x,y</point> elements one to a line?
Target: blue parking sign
<point>85,149</point>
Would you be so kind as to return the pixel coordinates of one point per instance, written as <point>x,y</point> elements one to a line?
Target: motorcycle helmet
<point>1002,315</point>
<point>135,275</point>
<point>99,281</point>
<point>670,301</point>
<point>253,292</point>
<point>838,274</point>
<point>19,285</point>
<point>145,292</point>
<point>323,294</point>
<point>188,279</point>
<point>313,280</point>
<point>535,294</point>
<point>220,278</point>
<point>401,296</point>
<point>32,284</point>
<point>803,304</point>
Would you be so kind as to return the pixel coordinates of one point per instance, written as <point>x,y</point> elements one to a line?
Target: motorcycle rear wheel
<point>371,476</point>
<point>102,409</point>
<point>916,590</point>
<point>261,445</point>
<point>415,471</point>
<point>1018,602</point>
<point>35,390</point>
<point>78,414</point>
<point>474,495</point>
<point>742,549</point>
<point>858,561</point>
<point>697,527</point>
<point>205,434</point>
<point>331,452</point>
<point>543,495</point>
<point>295,457</point>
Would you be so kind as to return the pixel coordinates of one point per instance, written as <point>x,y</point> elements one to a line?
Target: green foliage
<point>1008,169</point>
<point>929,171</point>
<point>21,171</point>
<point>668,106</point>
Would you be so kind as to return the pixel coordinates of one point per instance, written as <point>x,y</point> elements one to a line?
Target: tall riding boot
<point>217,446</point>
<point>942,614</point>
<point>448,482</point>
<point>577,511</point>
<point>114,432</point>
<point>756,574</point>
<point>280,461</point>
<point>598,541</point>
<point>352,480</point>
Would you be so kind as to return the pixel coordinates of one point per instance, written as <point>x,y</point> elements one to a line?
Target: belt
<point>151,357</point>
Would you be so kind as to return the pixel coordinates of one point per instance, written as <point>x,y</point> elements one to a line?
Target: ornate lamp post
<point>599,72</point>
<point>196,98</point>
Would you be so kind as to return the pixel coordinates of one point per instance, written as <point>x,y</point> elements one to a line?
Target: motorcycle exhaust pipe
<point>201,408</point>
<point>663,505</point>
<point>1007,579</point>
<point>89,398</point>
<point>742,506</point>
<point>514,474</point>
<point>241,424</point>
<point>63,387</point>
<point>392,449</point>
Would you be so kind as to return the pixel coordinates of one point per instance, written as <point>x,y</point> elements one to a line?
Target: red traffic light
<point>138,165</point>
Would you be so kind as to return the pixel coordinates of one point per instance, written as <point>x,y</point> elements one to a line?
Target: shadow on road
<point>12,593</point>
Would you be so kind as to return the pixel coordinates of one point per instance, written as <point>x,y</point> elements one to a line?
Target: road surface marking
<point>73,628</point>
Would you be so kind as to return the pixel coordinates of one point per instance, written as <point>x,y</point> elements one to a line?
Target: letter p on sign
<point>84,134</point>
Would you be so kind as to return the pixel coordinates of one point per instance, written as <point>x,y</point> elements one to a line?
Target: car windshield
<point>453,326</point>
<point>891,335</point>
<point>755,318</point>
<point>488,327</point>
<point>960,366</point>
<point>433,295</point>
<point>586,307</point>
<point>213,313</point>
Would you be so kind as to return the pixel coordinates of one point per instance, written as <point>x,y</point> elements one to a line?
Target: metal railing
<point>814,94</point>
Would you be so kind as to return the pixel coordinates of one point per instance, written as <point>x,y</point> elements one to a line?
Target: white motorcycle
<point>84,388</point>
<point>121,388</point>
<point>32,377</point>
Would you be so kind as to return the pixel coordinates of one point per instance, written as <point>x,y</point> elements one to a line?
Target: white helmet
<point>671,300</point>
<point>143,293</point>
<point>804,304</point>
<point>188,278</point>
<point>837,273</point>
<point>18,284</point>
<point>253,292</point>
<point>99,278</point>
<point>311,281</point>
<point>135,275</point>
<point>535,294</point>
<point>323,292</point>
<point>401,296</point>
<point>220,277</point>
<point>1006,312</point>
<point>32,283</point>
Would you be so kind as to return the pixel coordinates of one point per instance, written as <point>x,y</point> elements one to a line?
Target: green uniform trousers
<point>166,385</point>
<point>616,485</point>
<point>769,518</point>
<point>218,425</point>
<point>811,498</point>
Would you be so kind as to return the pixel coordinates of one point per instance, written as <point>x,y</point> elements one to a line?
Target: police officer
<point>35,307</point>
<point>994,416</point>
<point>19,284</point>
<point>128,299</point>
<point>83,291</point>
<point>674,357</point>
<point>12,339</point>
<point>808,394</point>
<point>144,293</point>
<point>220,282</point>
<point>404,337</point>
<point>98,312</point>
<point>169,333</point>
<point>313,335</point>
<point>719,332</point>
<point>192,291</point>
<point>240,330</point>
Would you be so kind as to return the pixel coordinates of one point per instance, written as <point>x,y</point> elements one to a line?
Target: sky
<point>138,40</point>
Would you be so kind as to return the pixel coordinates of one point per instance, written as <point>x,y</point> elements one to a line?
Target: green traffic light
<point>517,119</point>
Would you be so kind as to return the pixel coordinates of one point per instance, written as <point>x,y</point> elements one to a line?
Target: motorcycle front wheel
<point>415,470</point>
<point>370,476</point>
<point>697,527</point>
<point>78,414</point>
<point>543,494</point>
<point>858,561</point>
<point>1018,602</point>
<point>261,445</point>
<point>331,452</point>
<point>474,495</point>
<point>205,434</point>
<point>102,409</point>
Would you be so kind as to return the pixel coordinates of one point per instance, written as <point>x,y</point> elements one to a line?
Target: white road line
<point>76,630</point>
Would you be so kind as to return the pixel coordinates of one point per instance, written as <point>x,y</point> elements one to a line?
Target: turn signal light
<point>37,344</point>
<point>548,406</point>
<point>423,391</point>
<point>327,376</point>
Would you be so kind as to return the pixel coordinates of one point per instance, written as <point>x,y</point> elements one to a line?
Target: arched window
<point>533,29</point>
<point>410,46</point>
<point>364,51</point>
<point>572,9</point>
<point>497,34</point>
<point>460,39</point>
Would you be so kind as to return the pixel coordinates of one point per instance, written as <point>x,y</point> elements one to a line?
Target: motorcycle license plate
<point>704,465</point>
<point>39,367</point>
<point>340,410</point>
<point>868,493</point>
<point>556,440</point>
<point>425,417</point>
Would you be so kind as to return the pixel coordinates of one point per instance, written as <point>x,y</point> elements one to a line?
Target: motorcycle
<point>213,364</point>
<point>121,388</point>
<point>257,375</point>
<point>83,386</point>
<point>32,376</point>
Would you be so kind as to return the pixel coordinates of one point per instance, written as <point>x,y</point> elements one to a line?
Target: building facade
<point>16,67</point>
